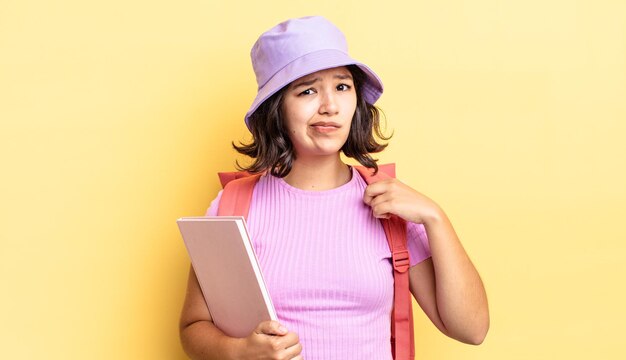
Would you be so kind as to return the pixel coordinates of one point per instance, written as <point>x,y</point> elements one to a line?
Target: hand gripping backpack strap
<point>237,194</point>
<point>402,340</point>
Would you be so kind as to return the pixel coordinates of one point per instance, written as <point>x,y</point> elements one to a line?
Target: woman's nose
<point>328,103</point>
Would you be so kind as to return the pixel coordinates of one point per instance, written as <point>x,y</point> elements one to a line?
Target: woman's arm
<point>202,340</point>
<point>447,286</point>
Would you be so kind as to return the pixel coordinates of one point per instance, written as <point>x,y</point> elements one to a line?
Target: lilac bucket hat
<point>298,47</point>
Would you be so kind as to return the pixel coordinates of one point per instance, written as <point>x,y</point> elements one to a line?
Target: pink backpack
<point>235,201</point>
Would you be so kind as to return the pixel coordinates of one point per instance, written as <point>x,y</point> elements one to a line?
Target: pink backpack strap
<point>226,177</point>
<point>402,340</point>
<point>237,194</point>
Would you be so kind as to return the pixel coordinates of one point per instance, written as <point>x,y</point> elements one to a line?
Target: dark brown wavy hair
<point>271,148</point>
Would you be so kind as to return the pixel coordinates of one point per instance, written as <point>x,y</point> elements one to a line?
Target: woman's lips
<point>325,127</point>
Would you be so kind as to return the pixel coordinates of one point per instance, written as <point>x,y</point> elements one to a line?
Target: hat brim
<point>371,90</point>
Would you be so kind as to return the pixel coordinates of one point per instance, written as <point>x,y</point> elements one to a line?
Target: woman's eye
<point>343,87</point>
<point>307,92</point>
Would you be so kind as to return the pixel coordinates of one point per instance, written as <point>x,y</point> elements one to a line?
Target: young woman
<point>315,223</point>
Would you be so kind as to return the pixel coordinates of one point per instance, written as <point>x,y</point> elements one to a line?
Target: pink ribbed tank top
<point>326,263</point>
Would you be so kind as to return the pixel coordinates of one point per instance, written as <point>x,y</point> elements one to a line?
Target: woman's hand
<point>271,340</point>
<point>447,286</point>
<point>391,196</point>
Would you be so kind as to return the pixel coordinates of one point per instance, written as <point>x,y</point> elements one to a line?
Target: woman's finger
<point>382,210</point>
<point>379,199</point>
<point>373,190</point>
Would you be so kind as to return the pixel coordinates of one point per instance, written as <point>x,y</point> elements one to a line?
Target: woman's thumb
<point>271,327</point>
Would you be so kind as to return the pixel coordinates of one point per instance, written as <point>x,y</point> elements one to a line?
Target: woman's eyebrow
<point>314,80</point>
<point>343,77</point>
<point>305,83</point>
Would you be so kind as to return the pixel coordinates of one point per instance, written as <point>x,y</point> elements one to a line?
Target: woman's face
<point>318,110</point>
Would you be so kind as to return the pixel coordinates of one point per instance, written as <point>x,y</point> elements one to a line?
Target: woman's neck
<point>318,174</point>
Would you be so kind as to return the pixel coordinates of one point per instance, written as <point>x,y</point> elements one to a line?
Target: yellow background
<point>115,117</point>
